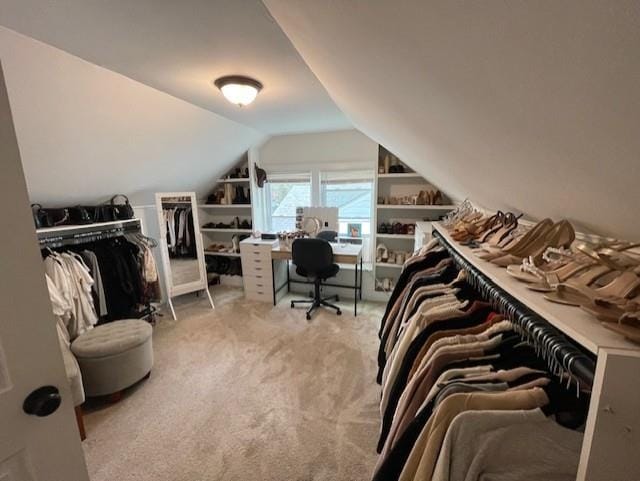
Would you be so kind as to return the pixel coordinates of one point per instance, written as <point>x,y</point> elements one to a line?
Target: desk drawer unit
<point>256,271</point>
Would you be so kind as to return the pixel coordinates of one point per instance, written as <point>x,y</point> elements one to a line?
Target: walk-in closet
<point>319,241</point>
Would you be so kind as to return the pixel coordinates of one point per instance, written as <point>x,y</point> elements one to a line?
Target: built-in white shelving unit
<point>401,189</point>
<point>227,213</point>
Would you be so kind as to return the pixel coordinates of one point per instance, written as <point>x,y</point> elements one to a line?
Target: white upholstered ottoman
<point>114,356</point>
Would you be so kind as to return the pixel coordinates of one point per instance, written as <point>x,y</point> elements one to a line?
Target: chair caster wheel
<point>292,305</point>
<point>339,313</point>
<point>337,299</point>
<point>308,317</point>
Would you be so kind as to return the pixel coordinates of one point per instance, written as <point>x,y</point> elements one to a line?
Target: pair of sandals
<point>385,284</point>
<point>234,248</point>
<point>516,246</point>
<point>602,280</point>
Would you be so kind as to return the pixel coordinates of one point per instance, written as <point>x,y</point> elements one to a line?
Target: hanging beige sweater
<point>508,446</point>
<point>438,308</point>
<point>423,457</point>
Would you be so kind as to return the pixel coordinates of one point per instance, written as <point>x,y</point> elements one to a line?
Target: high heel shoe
<point>559,266</point>
<point>616,254</point>
<point>498,237</point>
<point>622,288</point>
<point>473,230</point>
<point>628,325</point>
<point>559,235</point>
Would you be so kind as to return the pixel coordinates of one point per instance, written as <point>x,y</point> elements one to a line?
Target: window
<point>352,193</point>
<point>285,193</point>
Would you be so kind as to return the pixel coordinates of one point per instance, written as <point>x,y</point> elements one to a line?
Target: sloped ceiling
<point>180,47</point>
<point>86,133</point>
<point>528,105</point>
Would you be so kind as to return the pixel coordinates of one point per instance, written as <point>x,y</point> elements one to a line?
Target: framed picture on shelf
<point>354,230</point>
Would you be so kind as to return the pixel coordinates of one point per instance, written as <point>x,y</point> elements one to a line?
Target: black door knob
<point>43,401</point>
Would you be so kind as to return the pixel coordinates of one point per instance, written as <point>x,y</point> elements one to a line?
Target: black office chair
<point>328,235</point>
<point>314,258</point>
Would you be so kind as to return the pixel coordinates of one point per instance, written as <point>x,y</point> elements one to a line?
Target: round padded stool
<point>114,356</point>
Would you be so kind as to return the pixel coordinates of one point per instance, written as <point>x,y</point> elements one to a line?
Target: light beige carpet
<point>246,392</point>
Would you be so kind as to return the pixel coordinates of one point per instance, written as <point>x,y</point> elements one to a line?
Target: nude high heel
<point>495,236</point>
<point>544,278</point>
<point>628,325</point>
<point>561,234</point>
<point>517,244</point>
<point>623,287</point>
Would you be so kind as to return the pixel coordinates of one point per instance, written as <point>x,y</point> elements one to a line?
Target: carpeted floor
<point>246,392</point>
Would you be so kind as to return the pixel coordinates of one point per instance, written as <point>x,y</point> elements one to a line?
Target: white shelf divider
<point>396,236</point>
<point>224,254</point>
<point>225,206</point>
<point>233,181</point>
<point>389,265</point>
<point>416,207</point>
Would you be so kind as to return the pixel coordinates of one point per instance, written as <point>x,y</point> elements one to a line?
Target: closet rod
<point>561,354</point>
<point>84,234</point>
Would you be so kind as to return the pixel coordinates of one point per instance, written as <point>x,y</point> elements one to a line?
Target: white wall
<point>337,150</point>
<point>528,105</point>
<point>86,133</point>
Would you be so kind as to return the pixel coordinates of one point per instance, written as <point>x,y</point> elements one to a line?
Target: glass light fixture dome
<point>238,90</point>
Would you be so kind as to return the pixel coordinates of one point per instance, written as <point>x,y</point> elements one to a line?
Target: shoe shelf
<point>395,181</point>
<point>233,181</point>
<point>572,321</point>
<point>225,206</point>
<point>416,207</point>
<point>223,254</point>
<point>396,236</point>
<point>209,229</point>
<point>388,265</point>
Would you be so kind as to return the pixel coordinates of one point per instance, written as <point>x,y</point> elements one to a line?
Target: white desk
<point>258,280</point>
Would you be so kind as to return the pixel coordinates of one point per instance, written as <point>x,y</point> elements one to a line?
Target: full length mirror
<point>182,252</point>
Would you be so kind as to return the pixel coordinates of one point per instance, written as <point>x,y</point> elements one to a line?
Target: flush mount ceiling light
<point>238,90</point>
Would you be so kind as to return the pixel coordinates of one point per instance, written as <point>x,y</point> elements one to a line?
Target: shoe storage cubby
<point>226,219</point>
<point>403,198</point>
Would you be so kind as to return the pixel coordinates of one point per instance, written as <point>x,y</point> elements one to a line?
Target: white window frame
<point>291,177</point>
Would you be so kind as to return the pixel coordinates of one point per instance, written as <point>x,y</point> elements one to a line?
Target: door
<point>32,448</point>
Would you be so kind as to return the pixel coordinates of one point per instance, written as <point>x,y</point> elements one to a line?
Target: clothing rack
<point>53,237</point>
<point>561,354</point>
<point>62,236</point>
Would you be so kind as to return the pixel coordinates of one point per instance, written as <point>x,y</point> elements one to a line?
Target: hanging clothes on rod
<point>180,229</point>
<point>459,361</point>
<point>70,276</point>
<point>101,274</point>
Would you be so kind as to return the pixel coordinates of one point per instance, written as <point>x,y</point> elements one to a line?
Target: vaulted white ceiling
<point>179,47</point>
<point>529,105</point>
